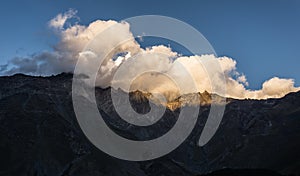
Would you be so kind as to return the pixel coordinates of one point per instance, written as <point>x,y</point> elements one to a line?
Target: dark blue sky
<point>261,35</point>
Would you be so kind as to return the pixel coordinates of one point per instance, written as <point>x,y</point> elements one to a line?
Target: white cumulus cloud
<point>75,37</point>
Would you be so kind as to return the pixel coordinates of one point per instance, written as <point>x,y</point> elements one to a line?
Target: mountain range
<point>39,134</point>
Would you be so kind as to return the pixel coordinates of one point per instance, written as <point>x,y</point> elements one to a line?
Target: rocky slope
<point>39,134</point>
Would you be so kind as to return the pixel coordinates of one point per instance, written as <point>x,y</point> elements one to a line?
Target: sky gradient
<point>262,36</point>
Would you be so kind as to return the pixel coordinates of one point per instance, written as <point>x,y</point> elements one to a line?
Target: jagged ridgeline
<point>192,99</point>
<point>39,134</point>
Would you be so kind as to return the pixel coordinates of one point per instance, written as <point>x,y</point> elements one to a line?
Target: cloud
<point>66,52</point>
<point>3,67</point>
<point>59,21</point>
<point>129,59</point>
<point>276,87</point>
<point>242,79</point>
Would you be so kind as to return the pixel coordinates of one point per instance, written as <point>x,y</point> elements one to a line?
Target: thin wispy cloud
<point>59,21</point>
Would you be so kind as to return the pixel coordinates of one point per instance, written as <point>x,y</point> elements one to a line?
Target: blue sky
<point>262,36</point>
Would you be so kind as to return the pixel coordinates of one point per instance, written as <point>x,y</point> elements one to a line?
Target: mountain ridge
<point>185,99</point>
<point>39,134</point>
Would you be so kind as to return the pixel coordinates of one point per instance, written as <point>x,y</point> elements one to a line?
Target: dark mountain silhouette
<point>39,134</point>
